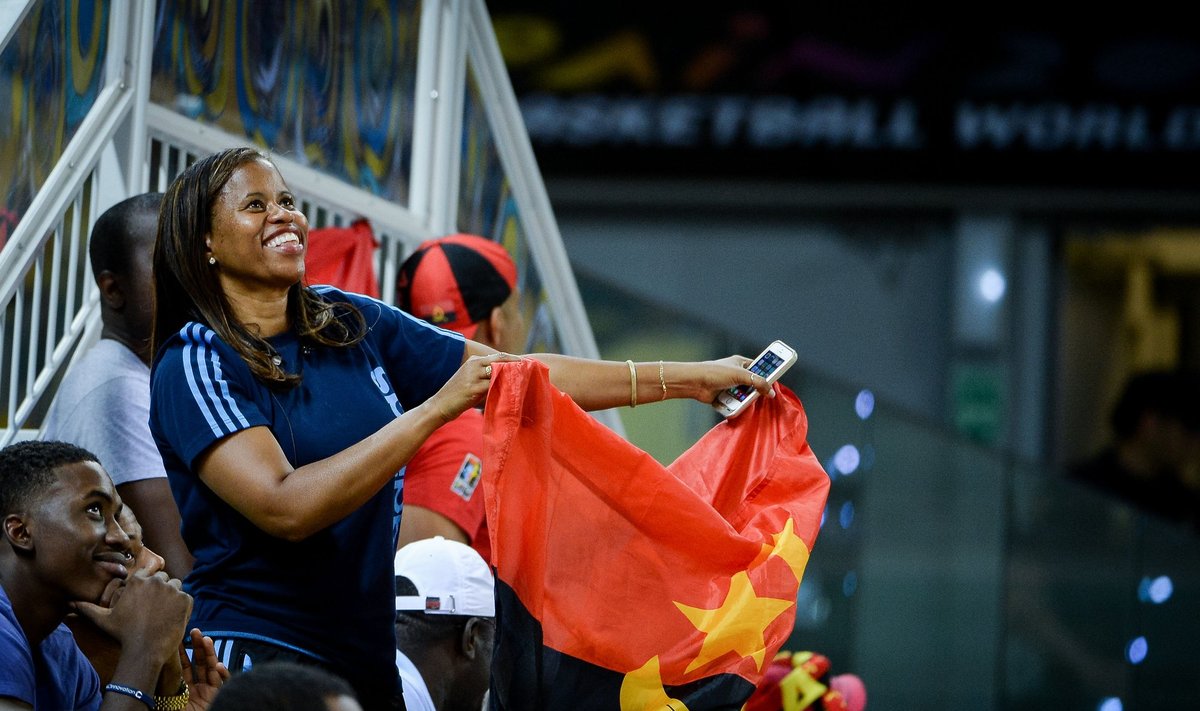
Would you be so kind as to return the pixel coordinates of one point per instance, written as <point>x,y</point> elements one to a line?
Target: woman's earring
<point>212,260</point>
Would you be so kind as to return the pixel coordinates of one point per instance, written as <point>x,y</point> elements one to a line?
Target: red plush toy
<point>801,680</point>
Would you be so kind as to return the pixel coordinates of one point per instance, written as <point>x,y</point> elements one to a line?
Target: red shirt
<point>444,476</point>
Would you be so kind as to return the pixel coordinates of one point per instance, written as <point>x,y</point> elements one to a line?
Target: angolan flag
<point>624,584</point>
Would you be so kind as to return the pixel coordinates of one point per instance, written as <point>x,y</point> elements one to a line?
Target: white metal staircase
<point>126,145</point>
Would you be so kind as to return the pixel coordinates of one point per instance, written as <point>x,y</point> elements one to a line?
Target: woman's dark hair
<point>186,287</point>
<point>280,686</point>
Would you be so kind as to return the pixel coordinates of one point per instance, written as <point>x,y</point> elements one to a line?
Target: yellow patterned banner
<point>51,72</point>
<point>328,84</point>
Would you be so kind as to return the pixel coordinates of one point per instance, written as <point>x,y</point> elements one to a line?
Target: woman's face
<point>258,235</point>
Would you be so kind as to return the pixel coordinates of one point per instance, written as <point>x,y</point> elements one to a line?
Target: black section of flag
<point>528,676</point>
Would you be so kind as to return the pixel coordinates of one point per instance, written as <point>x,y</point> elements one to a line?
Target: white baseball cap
<point>450,577</point>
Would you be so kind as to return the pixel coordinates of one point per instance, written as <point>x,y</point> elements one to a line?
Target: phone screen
<point>768,363</point>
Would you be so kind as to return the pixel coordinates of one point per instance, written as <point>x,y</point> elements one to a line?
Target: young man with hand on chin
<point>64,550</point>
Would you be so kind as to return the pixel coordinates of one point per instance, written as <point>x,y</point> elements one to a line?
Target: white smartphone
<point>772,363</point>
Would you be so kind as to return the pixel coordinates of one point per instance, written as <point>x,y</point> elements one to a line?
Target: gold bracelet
<point>632,384</point>
<point>661,380</point>
<point>178,702</point>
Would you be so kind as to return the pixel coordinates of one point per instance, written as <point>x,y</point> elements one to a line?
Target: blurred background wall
<point>973,236</point>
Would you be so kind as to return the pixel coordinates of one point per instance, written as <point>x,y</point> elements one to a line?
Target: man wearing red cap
<point>467,284</point>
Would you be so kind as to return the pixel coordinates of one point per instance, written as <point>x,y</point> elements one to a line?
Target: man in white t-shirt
<point>445,625</point>
<point>103,403</point>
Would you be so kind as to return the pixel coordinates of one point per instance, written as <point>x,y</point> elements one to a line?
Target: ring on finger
<point>487,371</point>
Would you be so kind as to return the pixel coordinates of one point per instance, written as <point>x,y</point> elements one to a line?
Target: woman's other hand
<point>704,380</point>
<point>468,386</point>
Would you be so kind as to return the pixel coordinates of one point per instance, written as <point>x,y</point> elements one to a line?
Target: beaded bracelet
<point>129,691</point>
<point>661,380</point>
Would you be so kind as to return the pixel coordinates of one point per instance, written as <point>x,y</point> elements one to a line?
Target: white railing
<point>47,311</point>
<point>126,145</point>
<point>12,12</point>
<point>516,152</point>
<point>47,297</point>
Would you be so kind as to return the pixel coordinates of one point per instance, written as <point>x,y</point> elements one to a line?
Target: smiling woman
<point>265,394</point>
<point>230,253</point>
<point>256,235</point>
<point>285,415</point>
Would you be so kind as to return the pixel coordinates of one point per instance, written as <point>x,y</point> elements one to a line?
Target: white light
<point>1111,703</point>
<point>1160,589</point>
<point>991,285</point>
<point>864,404</point>
<point>1137,650</point>
<point>846,459</point>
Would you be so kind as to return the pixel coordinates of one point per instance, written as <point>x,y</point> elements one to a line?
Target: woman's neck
<point>262,312</point>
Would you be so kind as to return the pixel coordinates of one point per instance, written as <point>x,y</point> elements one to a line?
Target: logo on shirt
<point>385,387</point>
<point>468,477</point>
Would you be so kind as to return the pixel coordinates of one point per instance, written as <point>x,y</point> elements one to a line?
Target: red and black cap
<point>455,282</point>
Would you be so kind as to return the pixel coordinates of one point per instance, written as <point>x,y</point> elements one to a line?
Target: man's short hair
<point>114,234</point>
<point>27,469</point>
<point>281,686</point>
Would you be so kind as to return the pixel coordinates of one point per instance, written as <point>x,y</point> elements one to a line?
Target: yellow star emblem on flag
<point>737,625</point>
<point>642,690</point>
<point>791,548</point>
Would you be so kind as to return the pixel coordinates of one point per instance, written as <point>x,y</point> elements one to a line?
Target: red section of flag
<point>619,557</point>
<point>343,257</point>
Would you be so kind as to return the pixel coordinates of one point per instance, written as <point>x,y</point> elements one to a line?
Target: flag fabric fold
<point>624,584</point>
